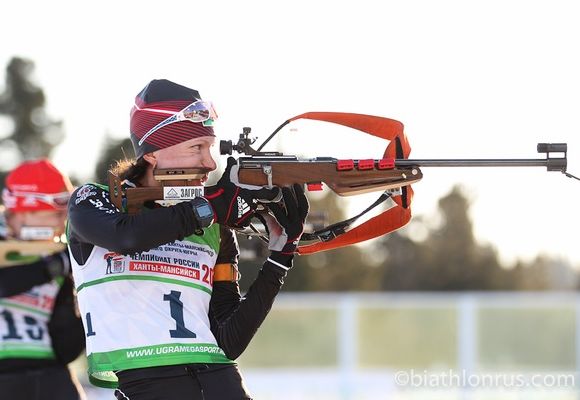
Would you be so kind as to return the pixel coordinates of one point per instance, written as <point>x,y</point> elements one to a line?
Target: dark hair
<point>130,169</point>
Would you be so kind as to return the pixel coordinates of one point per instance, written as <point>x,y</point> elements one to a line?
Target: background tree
<point>452,251</point>
<point>450,258</point>
<point>545,273</point>
<point>447,257</point>
<point>27,132</point>
<point>33,132</point>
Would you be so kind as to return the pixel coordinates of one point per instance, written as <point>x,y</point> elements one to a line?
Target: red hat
<point>158,101</point>
<point>36,185</point>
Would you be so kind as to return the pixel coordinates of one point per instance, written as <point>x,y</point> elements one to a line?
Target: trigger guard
<point>276,199</point>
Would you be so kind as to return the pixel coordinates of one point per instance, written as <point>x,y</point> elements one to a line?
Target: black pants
<point>183,382</point>
<point>39,384</point>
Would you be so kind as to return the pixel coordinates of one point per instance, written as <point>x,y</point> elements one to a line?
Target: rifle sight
<point>244,145</point>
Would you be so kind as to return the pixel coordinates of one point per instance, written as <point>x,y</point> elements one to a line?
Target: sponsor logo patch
<point>84,192</point>
<point>115,263</point>
<point>182,192</point>
<point>243,207</point>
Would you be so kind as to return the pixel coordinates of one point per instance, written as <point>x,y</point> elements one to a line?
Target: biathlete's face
<point>194,153</point>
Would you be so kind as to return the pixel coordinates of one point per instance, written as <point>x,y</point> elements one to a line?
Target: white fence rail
<point>416,346</point>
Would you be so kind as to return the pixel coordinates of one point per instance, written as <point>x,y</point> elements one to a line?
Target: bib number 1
<point>176,310</point>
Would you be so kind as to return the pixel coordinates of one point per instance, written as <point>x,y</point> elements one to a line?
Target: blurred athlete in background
<point>40,329</point>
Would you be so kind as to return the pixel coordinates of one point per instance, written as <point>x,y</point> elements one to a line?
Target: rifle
<point>351,177</point>
<point>393,174</point>
<point>16,252</point>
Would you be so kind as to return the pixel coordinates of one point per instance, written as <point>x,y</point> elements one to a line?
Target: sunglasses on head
<point>58,200</point>
<point>198,111</point>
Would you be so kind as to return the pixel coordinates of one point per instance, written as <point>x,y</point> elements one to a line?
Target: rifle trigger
<point>268,171</point>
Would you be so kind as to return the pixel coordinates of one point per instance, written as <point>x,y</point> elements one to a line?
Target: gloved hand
<point>286,223</point>
<point>57,264</point>
<point>233,205</point>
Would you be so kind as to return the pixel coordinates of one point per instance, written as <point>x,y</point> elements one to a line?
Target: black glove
<point>57,264</point>
<point>286,223</point>
<point>233,205</point>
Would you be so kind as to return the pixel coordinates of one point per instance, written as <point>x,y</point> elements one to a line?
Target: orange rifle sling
<point>398,148</point>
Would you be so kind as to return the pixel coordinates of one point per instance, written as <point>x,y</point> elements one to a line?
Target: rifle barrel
<point>551,163</point>
<point>481,162</point>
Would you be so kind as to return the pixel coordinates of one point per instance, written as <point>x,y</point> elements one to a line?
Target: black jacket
<point>94,220</point>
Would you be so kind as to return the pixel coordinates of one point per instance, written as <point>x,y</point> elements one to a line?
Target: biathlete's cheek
<point>202,159</point>
<point>197,161</point>
<point>185,161</point>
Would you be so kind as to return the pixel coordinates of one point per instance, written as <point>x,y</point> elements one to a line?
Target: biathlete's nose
<point>209,162</point>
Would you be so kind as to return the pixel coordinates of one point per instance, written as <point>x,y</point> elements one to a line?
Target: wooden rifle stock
<point>344,182</point>
<point>351,177</point>
<point>132,199</point>
<point>16,252</point>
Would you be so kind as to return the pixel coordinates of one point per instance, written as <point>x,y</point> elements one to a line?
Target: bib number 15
<point>34,330</point>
